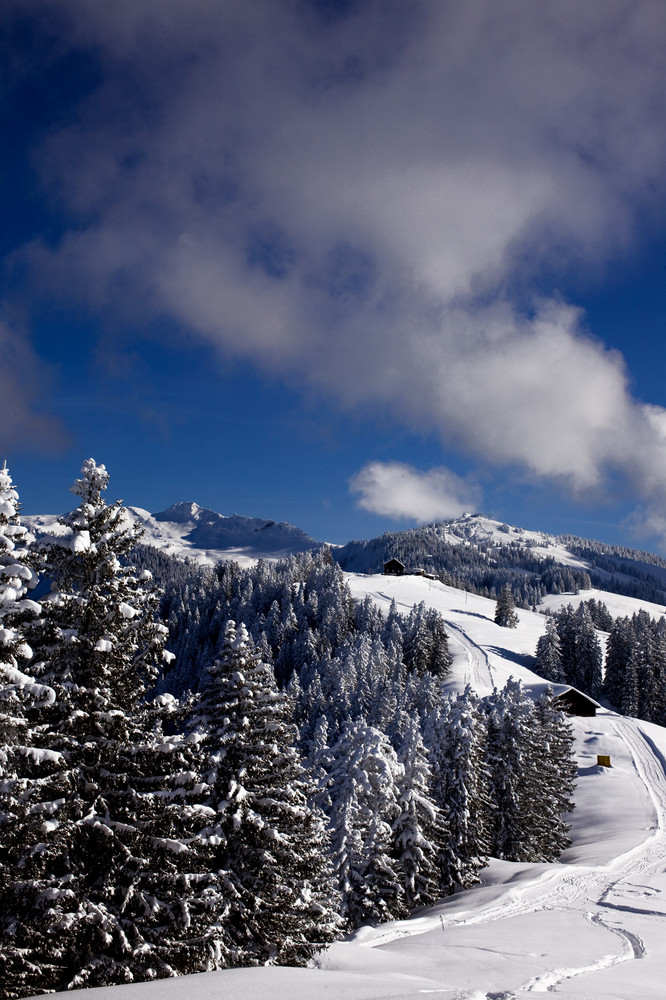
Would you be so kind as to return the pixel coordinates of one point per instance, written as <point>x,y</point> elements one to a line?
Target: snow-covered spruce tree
<point>658,635</point>
<point>647,659</point>
<point>531,765</point>
<point>589,658</point>
<point>264,831</point>
<point>418,830</point>
<point>363,785</point>
<point>548,660</point>
<point>513,788</point>
<point>635,680</point>
<point>318,764</point>
<point>618,653</point>
<point>22,762</point>
<point>99,637</point>
<point>565,623</point>
<point>100,892</point>
<point>17,576</point>
<point>505,609</point>
<point>456,736</point>
<point>580,651</point>
<point>557,770</point>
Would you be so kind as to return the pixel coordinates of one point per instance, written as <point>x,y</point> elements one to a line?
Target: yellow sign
<point>603,760</point>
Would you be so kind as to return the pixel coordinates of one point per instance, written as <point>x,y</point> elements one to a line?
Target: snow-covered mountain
<point>189,531</point>
<point>482,554</point>
<point>470,551</point>
<point>202,533</point>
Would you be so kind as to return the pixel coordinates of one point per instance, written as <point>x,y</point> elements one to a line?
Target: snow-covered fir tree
<point>618,653</point>
<point>557,771</point>
<point>647,661</point>
<point>511,754</point>
<point>548,658</point>
<point>99,637</point>
<point>265,832</point>
<point>457,736</point>
<point>589,657</point>
<point>363,783</point>
<point>418,831</point>
<point>531,767</point>
<point>635,678</point>
<point>579,650</point>
<point>17,577</point>
<point>425,643</point>
<point>505,609</point>
<point>99,890</point>
<point>21,699</point>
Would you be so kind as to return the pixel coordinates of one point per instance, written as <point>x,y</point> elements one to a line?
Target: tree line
<point>633,677</point>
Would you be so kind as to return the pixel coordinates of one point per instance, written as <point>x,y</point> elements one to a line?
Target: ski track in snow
<point>594,885</point>
<point>479,664</point>
<point>571,887</point>
<point>480,671</point>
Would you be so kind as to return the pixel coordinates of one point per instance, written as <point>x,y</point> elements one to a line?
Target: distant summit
<point>483,555</point>
<point>189,531</point>
<point>181,512</point>
<point>207,530</point>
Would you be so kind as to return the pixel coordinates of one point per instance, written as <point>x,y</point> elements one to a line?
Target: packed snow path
<point>586,890</point>
<point>480,673</point>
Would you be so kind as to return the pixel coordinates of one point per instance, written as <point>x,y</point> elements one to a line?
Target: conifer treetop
<point>94,480</point>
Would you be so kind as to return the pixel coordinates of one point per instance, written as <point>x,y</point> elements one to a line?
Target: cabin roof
<point>559,690</point>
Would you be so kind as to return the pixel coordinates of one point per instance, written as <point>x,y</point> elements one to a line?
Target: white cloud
<point>334,200</point>
<point>401,491</point>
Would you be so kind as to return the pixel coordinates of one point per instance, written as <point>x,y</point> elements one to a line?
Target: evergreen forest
<point>632,675</point>
<point>239,766</point>
<point>457,556</point>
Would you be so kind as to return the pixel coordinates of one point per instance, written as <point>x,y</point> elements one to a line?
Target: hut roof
<point>567,694</point>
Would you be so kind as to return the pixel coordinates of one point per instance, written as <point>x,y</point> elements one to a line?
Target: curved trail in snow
<point>572,885</point>
<point>580,888</point>
<point>481,674</point>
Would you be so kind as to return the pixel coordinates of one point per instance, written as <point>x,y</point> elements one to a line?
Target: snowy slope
<point>477,529</point>
<point>189,531</point>
<point>463,548</point>
<point>590,926</point>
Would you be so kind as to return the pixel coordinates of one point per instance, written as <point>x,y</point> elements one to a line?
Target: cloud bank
<point>400,491</point>
<point>365,200</point>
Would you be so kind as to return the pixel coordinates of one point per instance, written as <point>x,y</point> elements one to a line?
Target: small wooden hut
<point>394,568</point>
<point>574,702</point>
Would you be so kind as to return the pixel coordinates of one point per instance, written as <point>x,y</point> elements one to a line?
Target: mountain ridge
<point>473,551</point>
<point>188,531</point>
<point>482,554</point>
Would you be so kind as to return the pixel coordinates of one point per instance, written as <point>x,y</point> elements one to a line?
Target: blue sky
<point>353,265</point>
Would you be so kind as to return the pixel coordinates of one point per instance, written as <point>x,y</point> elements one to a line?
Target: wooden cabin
<point>574,702</point>
<point>394,568</point>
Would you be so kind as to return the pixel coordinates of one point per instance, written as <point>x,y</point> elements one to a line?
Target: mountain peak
<point>197,531</point>
<point>181,512</point>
